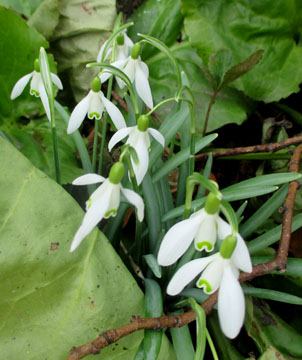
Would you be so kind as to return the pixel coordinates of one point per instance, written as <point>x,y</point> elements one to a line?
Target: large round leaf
<point>52,299</point>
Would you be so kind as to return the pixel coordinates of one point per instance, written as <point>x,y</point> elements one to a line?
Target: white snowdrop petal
<point>177,240</point>
<point>92,217</point>
<point>56,80</point>
<point>241,257</point>
<point>142,86</point>
<point>135,200</point>
<point>211,277</point>
<point>78,114</point>
<point>118,136</point>
<point>44,99</point>
<point>88,179</point>
<point>20,85</point>
<point>231,304</point>
<point>186,274</point>
<point>96,106</point>
<point>35,83</point>
<point>206,235</point>
<point>141,168</point>
<point>114,113</point>
<point>157,136</point>
<point>224,228</point>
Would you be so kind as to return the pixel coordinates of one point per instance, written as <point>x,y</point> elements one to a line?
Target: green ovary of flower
<point>212,204</point>
<point>96,84</point>
<point>116,173</point>
<point>143,123</point>
<point>120,39</point>
<point>135,51</point>
<point>37,65</point>
<point>228,246</point>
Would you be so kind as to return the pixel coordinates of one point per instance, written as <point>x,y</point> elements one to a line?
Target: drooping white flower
<point>219,271</point>
<point>93,105</point>
<point>124,44</point>
<point>202,227</point>
<point>104,201</point>
<point>36,86</point>
<point>137,71</point>
<point>139,139</point>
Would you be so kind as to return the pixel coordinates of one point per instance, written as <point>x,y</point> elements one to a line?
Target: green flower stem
<point>95,144</point>
<point>55,144</point>
<point>192,142</point>
<point>212,101</point>
<point>189,193</point>
<point>172,143</point>
<point>159,105</point>
<point>211,344</point>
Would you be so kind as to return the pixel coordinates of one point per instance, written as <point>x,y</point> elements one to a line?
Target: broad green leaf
<point>271,354</point>
<point>268,329</point>
<point>46,17</point>
<point>24,7</point>
<point>82,29</point>
<point>160,19</point>
<point>230,105</point>
<point>245,27</point>
<point>52,299</point>
<point>219,64</point>
<point>21,45</point>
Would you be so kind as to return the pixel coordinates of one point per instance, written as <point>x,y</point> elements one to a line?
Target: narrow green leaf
<point>153,265</point>
<point>181,157</point>
<point>242,68</point>
<point>200,329</point>
<point>153,308</point>
<point>168,129</point>
<point>206,173</point>
<point>182,343</point>
<point>152,213</point>
<point>84,156</point>
<point>264,212</point>
<point>270,294</point>
<point>272,236</point>
<point>196,294</point>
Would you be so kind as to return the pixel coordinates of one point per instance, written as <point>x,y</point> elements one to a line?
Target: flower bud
<point>96,84</point>
<point>212,204</point>
<point>116,173</point>
<point>37,65</point>
<point>228,246</point>
<point>120,39</point>
<point>135,51</point>
<point>143,123</point>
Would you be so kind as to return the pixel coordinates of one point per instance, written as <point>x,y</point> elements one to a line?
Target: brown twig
<point>272,147</point>
<point>169,321</point>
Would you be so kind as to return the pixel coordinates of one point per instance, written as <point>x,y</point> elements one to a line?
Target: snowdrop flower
<point>139,139</point>
<point>36,86</point>
<point>220,270</point>
<point>105,200</point>
<point>124,43</point>
<point>202,227</point>
<point>94,104</point>
<point>137,71</point>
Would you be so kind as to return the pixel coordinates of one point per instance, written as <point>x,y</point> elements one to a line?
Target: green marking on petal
<point>204,245</point>
<point>34,92</point>
<point>110,213</point>
<point>94,114</point>
<point>202,283</point>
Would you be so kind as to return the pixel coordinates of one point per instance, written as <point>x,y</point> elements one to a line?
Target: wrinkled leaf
<point>245,27</point>
<point>23,7</point>
<point>52,299</point>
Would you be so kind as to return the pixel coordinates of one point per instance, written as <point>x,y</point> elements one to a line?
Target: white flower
<point>219,272</point>
<point>200,227</point>
<point>137,71</point>
<point>94,104</point>
<point>139,139</point>
<point>36,87</point>
<point>103,203</point>
<point>122,51</point>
